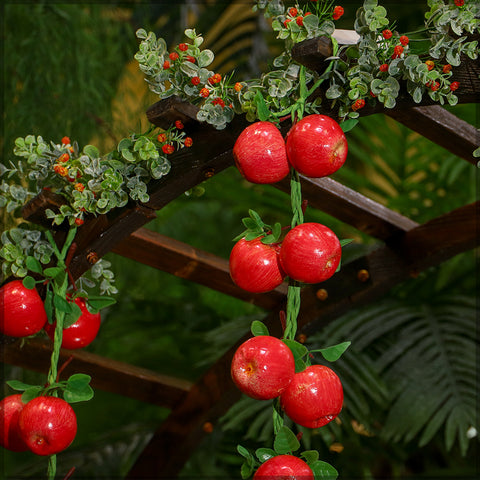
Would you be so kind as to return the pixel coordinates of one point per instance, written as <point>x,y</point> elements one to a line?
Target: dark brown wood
<point>351,207</point>
<point>107,374</point>
<point>184,261</point>
<point>442,127</point>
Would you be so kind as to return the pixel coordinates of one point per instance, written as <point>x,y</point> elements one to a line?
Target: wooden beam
<point>351,207</point>
<point>107,374</point>
<point>185,261</point>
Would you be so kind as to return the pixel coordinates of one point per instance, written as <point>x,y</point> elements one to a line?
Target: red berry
<point>64,157</point>
<point>430,65</point>
<point>254,266</point>
<point>359,103</point>
<point>286,22</point>
<point>65,141</point>
<point>168,149</point>
<point>195,80</point>
<point>299,21</point>
<point>48,425</point>
<point>293,12</point>
<point>397,51</point>
<point>454,86</point>
<point>387,34</point>
<point>188,142</point>
<point>215,78</point>
<point>173,56</point>
<point>178,124</point>
<point>459,3</point>
<point>79,186</point>
<point>447,68</point>
<point>435,86</point>
<point>189,58</point>
<point>10,438</point>
<point>22,312</point>
<point>204,92</point>
<point>383,67</point>
<point>183,47</point>
<point>262,367</point>
<point>161,137</point>
<point>310,253</point>
<point>166,65</point>
<point>79,222</point>
<point>218,101</point>
<point>337,12</point>
<point>404,40</point>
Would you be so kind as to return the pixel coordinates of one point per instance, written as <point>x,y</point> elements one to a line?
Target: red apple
<point>316,146</point>
<point>10,408</point>
<point>314,397</point>
<point>22,312</point>
<point>82,332</point>
<point>310,253</point>
<point>284,467</point>
<point>48,425</point>
<point>260,154</point>
<point>262,367</point>
<point>255,267</point>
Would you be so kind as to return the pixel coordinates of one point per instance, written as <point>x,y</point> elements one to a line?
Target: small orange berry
<point>430,64</point>
<point>168,148</point>
<point>337,12</point>
<point>166,65</point>
<point>204,92</point>
<point>183,47</point>
<point>161,137</point>
<point>447,68</point>
<point>195,80</point>
<point>188,142</point>
<point>238,86</point>
<point>79,186</point>
<point>404,40</point>
<point>65,141</point>
<point>179,124</point>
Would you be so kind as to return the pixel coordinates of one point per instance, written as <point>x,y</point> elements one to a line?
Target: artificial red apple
<point>284,467</point>
<point>260,153</point>
<point>48,425</point>
<point>310,253</point>
<point>82,332</point>
<point>316,146</point>
<point>262,367</point>
<point>314,397</point>
<point>22,312</point>
<point>254,266</point>
<point>10,408</point>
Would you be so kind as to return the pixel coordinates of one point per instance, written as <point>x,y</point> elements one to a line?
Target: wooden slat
<point>184,261</point>
<point>351,207</point>
<point>442,127</point>
<point>107,374</point>
<point>178,436</point>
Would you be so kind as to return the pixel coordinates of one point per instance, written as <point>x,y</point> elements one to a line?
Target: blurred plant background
<point>410,376</point>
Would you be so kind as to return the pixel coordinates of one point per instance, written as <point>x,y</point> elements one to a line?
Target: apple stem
<point>69,474</point>
<point>52,467</point>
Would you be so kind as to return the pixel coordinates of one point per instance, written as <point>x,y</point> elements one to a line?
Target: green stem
<point>52,467</point>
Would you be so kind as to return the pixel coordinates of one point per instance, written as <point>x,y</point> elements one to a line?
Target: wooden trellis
<point>407,249</point>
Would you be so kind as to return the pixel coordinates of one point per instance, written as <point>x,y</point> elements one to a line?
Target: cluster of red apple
<point>315,146</point>
<point>46,424</point>
<point>264,367</point>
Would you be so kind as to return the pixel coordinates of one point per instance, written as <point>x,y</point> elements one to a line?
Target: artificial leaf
<point>99,302</point>
<point>77,388</point>
<point>262,109</point>
<point>299,351</point>
<point>29,282</point>
<point>31,393</point>
<point>61,304</point>
<point>18,385</point>
<point>323,470</point>
<point>310,456</point>
<point>48,304</point>
<point>258,328</point>
<point>264,454</point>
<point>33,264</point>
<point>285,441</point>
<point>72,316</point>
<point>53,272</point>
<point>333,353</point>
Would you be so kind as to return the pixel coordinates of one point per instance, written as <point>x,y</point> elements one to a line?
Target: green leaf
<point>347,125</point>
<point>73,316</point>
<point>18,385</point>
<point>33,264</point>
<point>29,282</point>
<point>346,241</point>
<point>31,393</point>
<point>91,151</point>
<point>299,351</point>
<point>99,302</point>
<point>333,353</point>
<point>61,304</point>
<point>285,441</point>
<point>258,328</point>
<point>77,389</point>
<point>310,456</point>
<point>53,272</point>
<point>262,109</point>
<point>323,470</point>
<point>264,454</point>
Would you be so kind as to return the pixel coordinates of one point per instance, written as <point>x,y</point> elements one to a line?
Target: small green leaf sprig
<point>285,441</point>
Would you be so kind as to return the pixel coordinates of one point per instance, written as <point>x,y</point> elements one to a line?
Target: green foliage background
<point>410,377</point>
